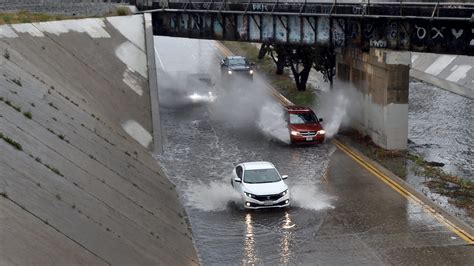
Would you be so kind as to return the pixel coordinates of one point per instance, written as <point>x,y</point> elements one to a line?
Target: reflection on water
<point>250,256</point>
<point>285,251</point>
<point>419,216</point>
<point>283,229</point>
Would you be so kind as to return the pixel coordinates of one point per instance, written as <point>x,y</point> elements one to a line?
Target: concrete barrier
<point>77,182</point>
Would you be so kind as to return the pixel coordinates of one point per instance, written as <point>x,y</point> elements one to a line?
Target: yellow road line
<point>395,186</point>
<point>223,49</point>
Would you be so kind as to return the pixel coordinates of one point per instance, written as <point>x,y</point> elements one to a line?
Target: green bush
<point>123,11</point>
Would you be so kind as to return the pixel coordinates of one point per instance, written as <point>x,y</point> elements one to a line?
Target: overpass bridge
<point>372,41</point>
<point>446,28</point>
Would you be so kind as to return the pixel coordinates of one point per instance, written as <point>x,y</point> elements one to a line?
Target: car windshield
<point>261,176</point>
<point>303,118</point>
<point>237,61</point>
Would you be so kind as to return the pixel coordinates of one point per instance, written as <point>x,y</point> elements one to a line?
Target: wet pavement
<point>340,213</point>
<point>441,128</point>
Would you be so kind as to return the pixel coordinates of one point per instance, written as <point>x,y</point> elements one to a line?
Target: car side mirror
<point>222,62</point>
<point>284,177</point>
<point>238,180</point>
<point>252,63</point>
<point>320,120</point>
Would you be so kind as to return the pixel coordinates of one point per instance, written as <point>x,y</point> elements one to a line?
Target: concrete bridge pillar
<point>378,89</point>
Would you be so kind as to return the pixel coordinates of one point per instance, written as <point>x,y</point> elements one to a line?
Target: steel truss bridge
<point>446,28</point>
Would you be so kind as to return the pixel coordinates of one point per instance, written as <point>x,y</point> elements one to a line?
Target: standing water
<point>441,128</point>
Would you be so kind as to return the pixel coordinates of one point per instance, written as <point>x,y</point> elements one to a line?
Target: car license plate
<point>309,138</point>
<point>268,202</point>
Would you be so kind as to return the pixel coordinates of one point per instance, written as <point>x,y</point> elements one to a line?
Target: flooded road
<point>204,141</point>
<point>340,213</point>
<point>441,128</point>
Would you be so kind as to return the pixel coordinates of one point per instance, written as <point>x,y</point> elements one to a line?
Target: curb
<point>157,146</point>
<point>455,224</point>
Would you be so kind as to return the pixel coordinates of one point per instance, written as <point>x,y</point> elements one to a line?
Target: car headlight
<point>294,133</point>
<point>321,132</point>
<point>284,193</point>
<point>251,71</point>
<point>249,195</point>
<point>229,72</point>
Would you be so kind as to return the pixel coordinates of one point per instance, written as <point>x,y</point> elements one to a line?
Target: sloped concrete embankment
<point>78,184</point>
<point>454,73</point>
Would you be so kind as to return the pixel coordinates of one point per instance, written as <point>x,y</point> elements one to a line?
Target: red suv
<point>304,125</point>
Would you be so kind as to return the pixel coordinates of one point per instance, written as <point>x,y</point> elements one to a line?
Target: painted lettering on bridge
<point>354,28</point>
<point>368,30</point>
<point>378,43</point>
<point>420,32</point>
<point>358,10</point>
<point>457,33</point>
<point>393,32</point>
<point>259,7</point>
<point>437,33</point>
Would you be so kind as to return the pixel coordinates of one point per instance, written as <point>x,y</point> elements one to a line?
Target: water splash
<point>272,122</point>
<point>217,195</point>
<point>214,196</point>
<point>334,108</point>
<point>309,197</point>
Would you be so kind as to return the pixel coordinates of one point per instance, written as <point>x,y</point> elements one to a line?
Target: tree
<point>278,54</point>
<point>300,59</point>
<point>300,56</point>
<point>325,62</point>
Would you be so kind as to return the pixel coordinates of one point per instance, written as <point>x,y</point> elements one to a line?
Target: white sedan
<point>260,185</point>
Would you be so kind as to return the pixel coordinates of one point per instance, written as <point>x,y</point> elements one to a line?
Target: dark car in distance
<point>232,66</point>
<point>304,125</point>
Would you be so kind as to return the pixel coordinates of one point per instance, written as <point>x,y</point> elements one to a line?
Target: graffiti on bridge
<point>399,34</point>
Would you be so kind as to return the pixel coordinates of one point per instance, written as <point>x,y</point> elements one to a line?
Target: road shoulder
<point>453,223</point>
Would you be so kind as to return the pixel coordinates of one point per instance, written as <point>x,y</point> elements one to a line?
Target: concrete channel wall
<point>454,73</point>
<point>77,182</point>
